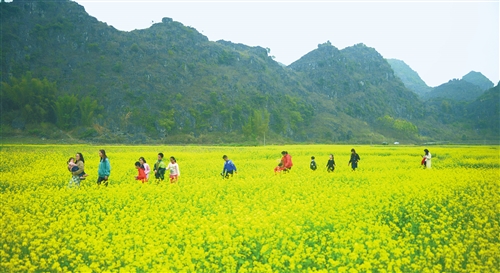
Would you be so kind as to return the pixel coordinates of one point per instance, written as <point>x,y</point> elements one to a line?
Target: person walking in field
<point>78,171</point>
<point>141,176</point>
<point>313,165</point>
<point>72,167</point>
<point>175,172</point>
<point>330,165</point>
<point>426,159</point>
<point>160,167</point>
<point>145,166</point>
<point>354,160</point>
<point>229,167</point>
<point>104,169</point>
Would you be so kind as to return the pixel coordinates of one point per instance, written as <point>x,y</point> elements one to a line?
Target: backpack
<point>313,165</point>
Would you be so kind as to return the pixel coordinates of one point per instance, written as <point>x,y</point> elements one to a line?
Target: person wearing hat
<point>426,159</point>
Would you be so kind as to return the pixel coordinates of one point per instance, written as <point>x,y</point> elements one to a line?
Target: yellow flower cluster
<point>390,215</point>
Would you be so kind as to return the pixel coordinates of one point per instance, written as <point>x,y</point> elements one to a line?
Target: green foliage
<point>87,133</point>
<point>487,105</point>
<point>404,127</point>
<point>88,108</point>
<point>117,67</point>
<point>66,109</point>
<point>94,47</point>
<point>32,97</point>
<point>214,88</point>
<point>134,47</point>
<point>35,101</point>
<point>457,90</point>
<point>278,122</point>
<point>257,125</point>
<point>165,119</point>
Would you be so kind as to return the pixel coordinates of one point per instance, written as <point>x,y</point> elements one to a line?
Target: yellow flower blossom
<point>388,216</point>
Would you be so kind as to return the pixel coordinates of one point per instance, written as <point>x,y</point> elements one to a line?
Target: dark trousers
<point>101,179</point>
<point>160,174</point>
<point>227,173</point>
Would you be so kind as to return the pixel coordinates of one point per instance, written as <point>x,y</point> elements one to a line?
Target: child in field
<point>141,174</point>
<point>174,170</point>
<point>229,167</point>
<point>312,165</point>
<point>160,167</point>
<point>330,165</point>
<point>279,168</point>
<point>145,166</point>
<point>426,159</point>
<point>73,167</point>
<point>354,160</point>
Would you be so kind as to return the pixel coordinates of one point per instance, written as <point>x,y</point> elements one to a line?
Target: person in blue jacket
<point>229,167</point>
<point>104,169</point>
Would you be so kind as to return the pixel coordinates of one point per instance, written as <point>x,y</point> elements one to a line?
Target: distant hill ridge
<point>477,78</point>
<point>409,77</point>
<point>470,87</point>
<point>458,90</point>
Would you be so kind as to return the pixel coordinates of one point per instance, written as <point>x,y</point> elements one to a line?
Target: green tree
<point>165,119</point>
<point>88,108</point>
<point>278,124</point>
<point>258,124</point>
<point>32,97</point>
<point>65,109</point>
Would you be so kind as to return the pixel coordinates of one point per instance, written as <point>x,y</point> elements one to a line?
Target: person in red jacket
<point>142,175</point>
<point>285,163</point>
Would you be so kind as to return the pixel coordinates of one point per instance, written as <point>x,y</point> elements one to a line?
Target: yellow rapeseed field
<point>390,215</point>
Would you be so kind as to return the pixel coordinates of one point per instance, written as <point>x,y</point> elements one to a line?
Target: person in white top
<point>147,169</point>
<point>427,157</point>
<point>173,167</point>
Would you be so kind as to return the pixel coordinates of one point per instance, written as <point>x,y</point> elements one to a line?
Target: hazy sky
<point>441,40</point>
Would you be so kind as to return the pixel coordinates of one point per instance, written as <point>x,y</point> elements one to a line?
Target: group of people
<point>76,166</point>
<point>330,165</point>
<point>159,169</point>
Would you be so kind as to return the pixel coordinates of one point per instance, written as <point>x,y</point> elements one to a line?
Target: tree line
<point>37,101</point>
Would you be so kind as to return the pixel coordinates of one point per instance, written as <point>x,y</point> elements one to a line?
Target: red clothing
<point>287,161</point>
<point>285,165</point>
<point>142,175</point>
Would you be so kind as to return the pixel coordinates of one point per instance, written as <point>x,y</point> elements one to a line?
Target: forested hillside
<point>458,90</point>
<point>66,75</point>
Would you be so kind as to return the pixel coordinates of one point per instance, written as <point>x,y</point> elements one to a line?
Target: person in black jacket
<point>330,165</point>
<point>354,160</point>
<point>313,164</point>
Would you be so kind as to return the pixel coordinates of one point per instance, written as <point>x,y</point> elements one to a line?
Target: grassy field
<point>388,216</point>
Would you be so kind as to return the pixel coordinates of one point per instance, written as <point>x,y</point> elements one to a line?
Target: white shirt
<point>174,169</point>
